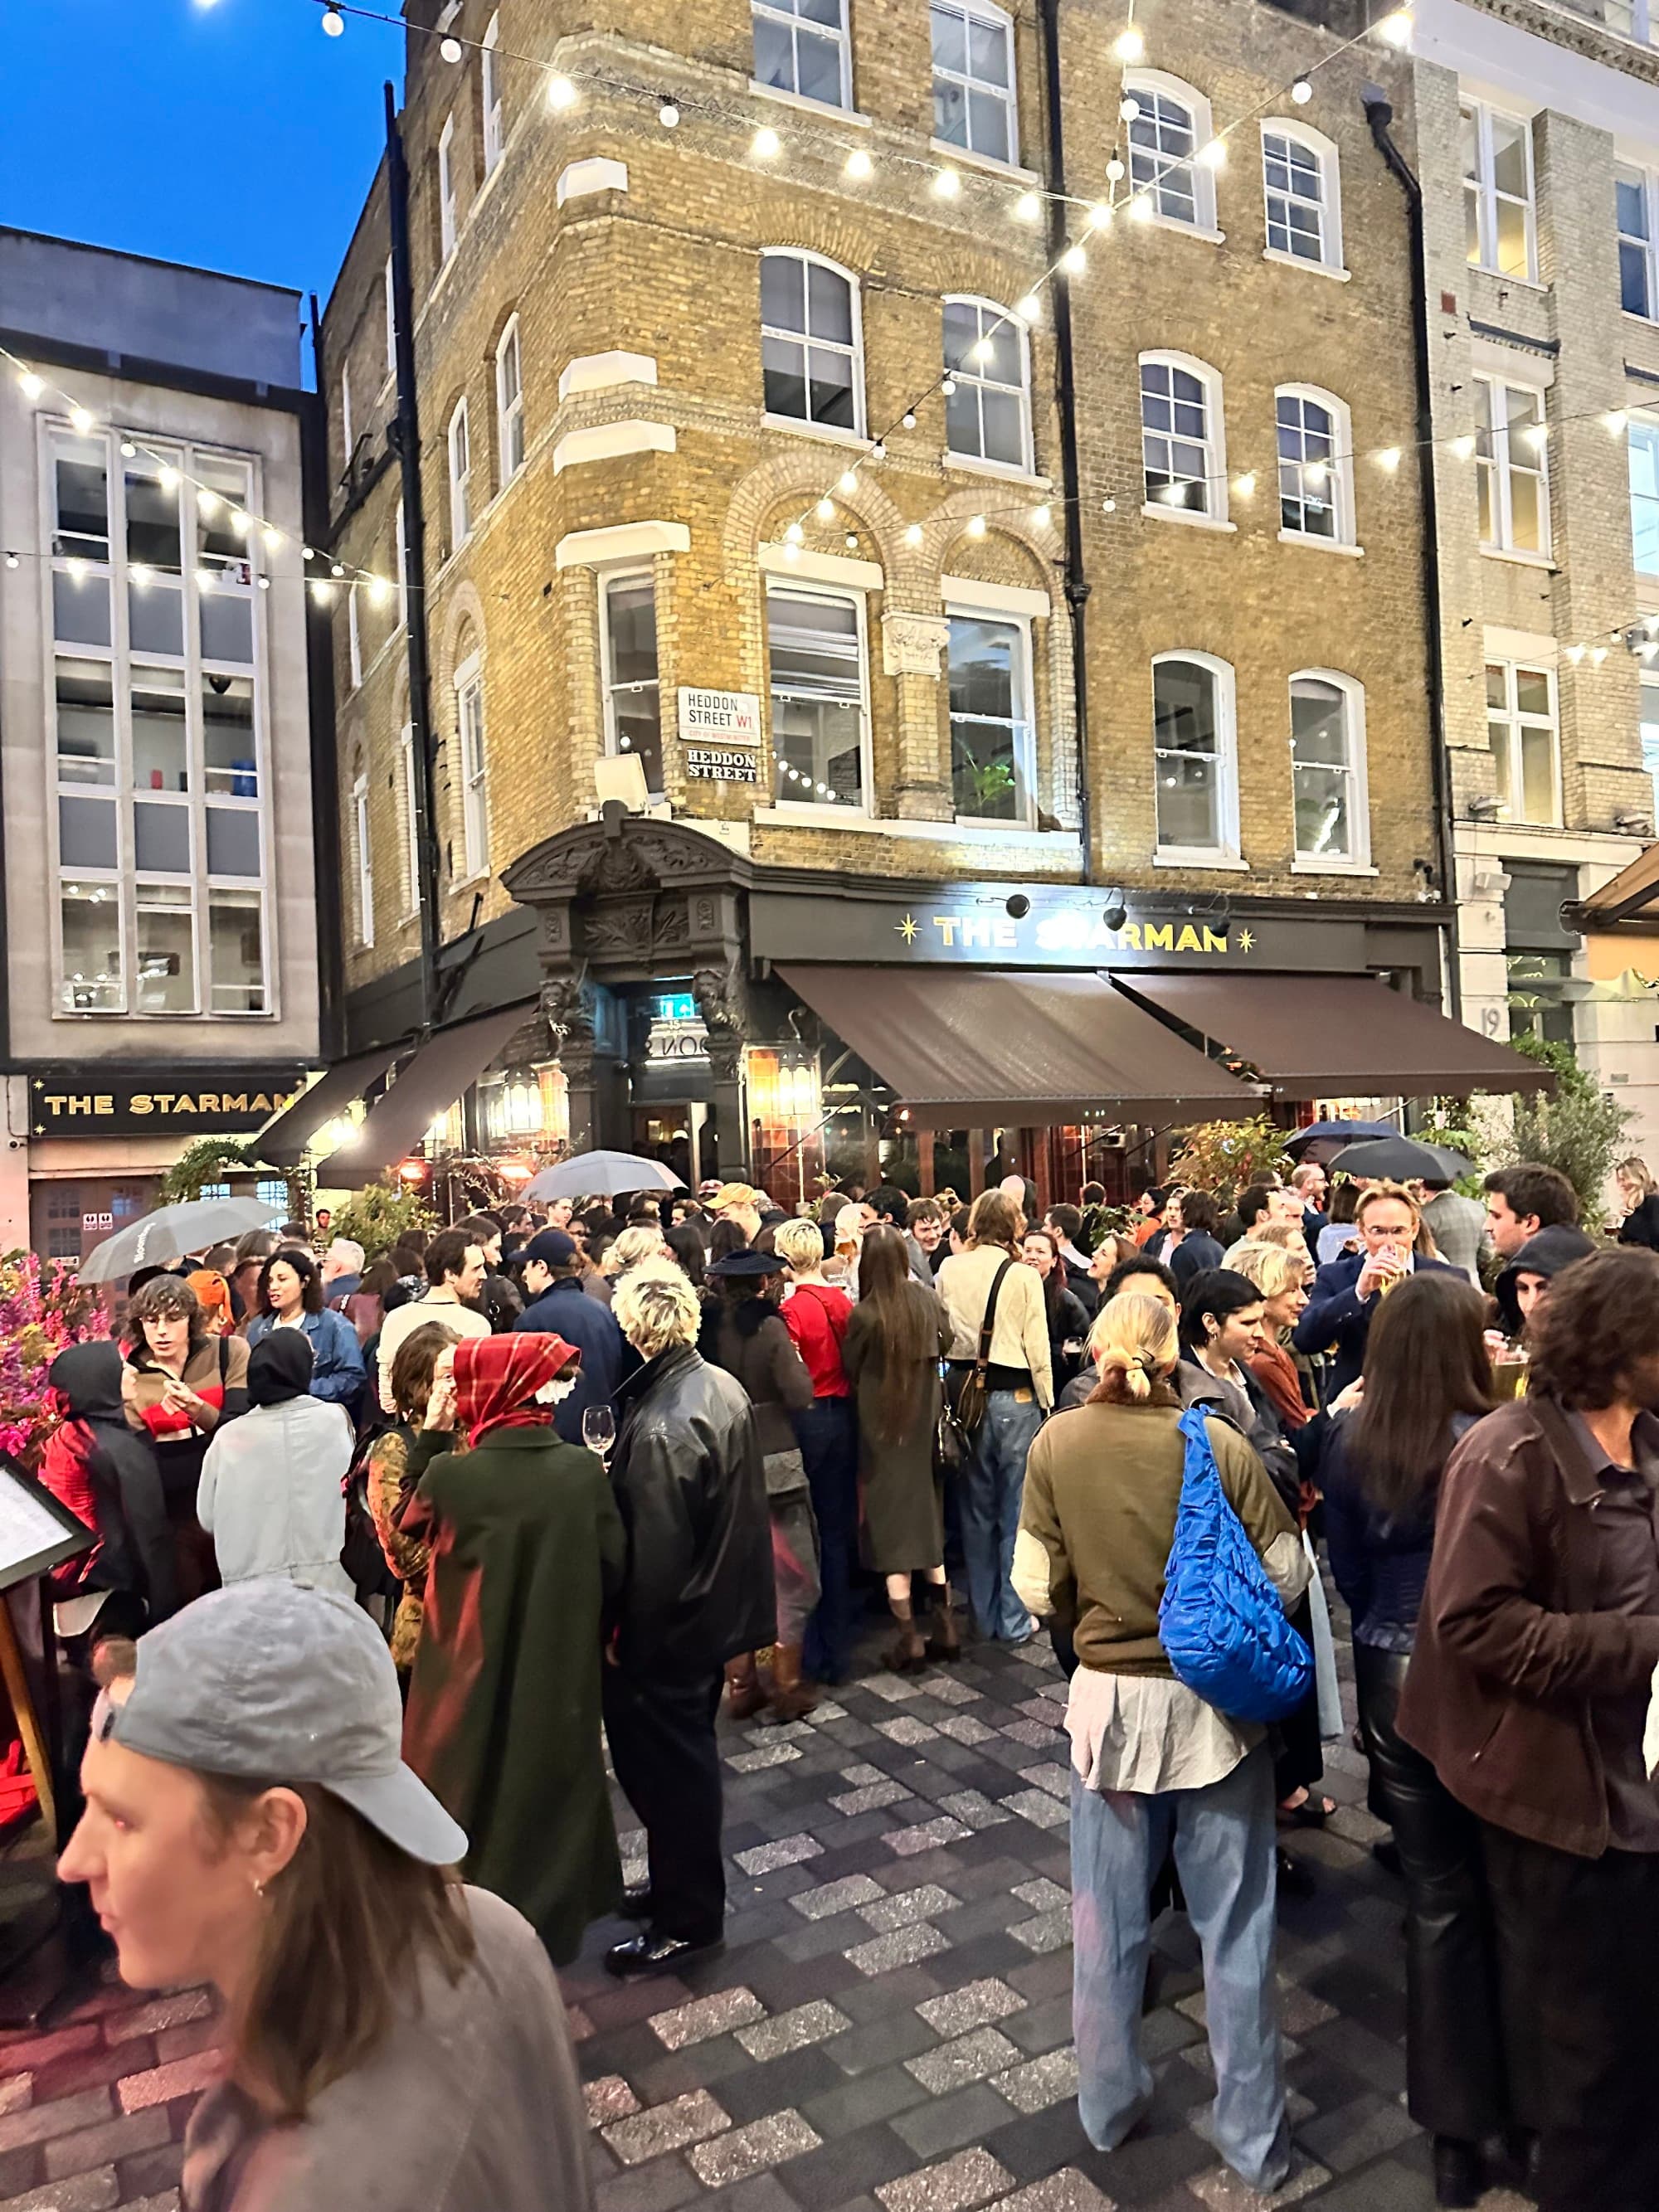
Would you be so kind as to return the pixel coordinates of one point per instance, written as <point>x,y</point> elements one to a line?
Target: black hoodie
<point>1545,1253</point>
<point>95,1447</point>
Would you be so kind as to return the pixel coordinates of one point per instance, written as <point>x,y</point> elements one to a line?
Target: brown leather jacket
<point>1510,1654</point>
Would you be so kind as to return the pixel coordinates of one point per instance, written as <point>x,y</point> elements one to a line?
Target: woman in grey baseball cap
<point>392,2037</point>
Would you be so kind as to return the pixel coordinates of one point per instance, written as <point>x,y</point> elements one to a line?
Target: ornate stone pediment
<point>629,853</point>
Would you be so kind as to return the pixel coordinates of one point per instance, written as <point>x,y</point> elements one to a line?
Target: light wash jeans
<point>993,1487</point>
<point>1224,1838</point>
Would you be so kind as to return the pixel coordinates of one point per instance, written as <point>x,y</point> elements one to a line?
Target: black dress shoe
<point>1459,2178</point>
<point>650,1953</point>
<point>635,1901</point>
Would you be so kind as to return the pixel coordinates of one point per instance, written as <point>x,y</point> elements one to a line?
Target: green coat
<point>503,1718</point>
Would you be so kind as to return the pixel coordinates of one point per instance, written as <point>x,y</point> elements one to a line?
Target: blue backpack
<point>1221,1621</point>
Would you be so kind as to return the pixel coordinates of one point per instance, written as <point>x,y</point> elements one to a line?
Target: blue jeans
<point>993,1484</point>
<point>827,1431</point>
<point>1222,1838</point>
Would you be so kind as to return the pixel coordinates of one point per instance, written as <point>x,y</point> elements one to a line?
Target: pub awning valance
<point>431,1083</point>
<point>286,1135</point>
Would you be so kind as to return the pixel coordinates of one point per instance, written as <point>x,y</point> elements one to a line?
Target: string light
<point>379,590</point>
<point>80,421</point>
<point>1213,153</point>
<point>1463,447</point>
<point>908,419</point>
<point>32,385</point>
<point>1115,170</point>
<point>669,116</point>
<point>859,166</point>
<point>129,451</point>
<point>825,509</point>
<point>1389,459</point>
<point>560,93</point>
<point>1129,46</point>
<point>1141,209</point>
<point>1616,421</point>
<point>1575,652</point>
<point>1100,216</point>
<point>1129,109</point>
<point>273,538</point>
<point>1030,309</point>
<point>1396,28</point>
<point>451,50</point>
<point>947,184</point>
<point>767,145</point>
<point>1042,516</point>
<point>846,482</point>
<point>1302,92</point>
<point>321,590</point>
<point>913,536</point>
<point>333,23</point>
<point>794,534</point>
<point>1074,261</point>
<point>976,526</point>
<point>1245,485</point>
<point>1028,207</point>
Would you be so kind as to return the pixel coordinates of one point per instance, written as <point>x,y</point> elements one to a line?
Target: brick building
<point>763,496</point>
<point>1538,132</point>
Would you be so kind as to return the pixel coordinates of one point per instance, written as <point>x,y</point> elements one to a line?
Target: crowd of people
<point>583,1478</point>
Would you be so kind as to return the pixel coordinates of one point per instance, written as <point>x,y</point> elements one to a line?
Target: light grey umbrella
<point>172,1230</point>
<point>601,1175</point>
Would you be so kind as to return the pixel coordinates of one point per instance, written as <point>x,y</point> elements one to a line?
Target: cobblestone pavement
<point>888,2026</point>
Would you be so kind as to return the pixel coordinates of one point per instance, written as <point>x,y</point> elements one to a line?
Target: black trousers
<point>1455,2074</point>
<point>662,1746</point>
<point>1578,1958</point>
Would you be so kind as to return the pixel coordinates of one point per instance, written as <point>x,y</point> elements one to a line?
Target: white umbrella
<point>601,1175</point>
<point>172,1230</point>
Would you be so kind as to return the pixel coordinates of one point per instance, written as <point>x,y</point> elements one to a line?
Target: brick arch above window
<point>787,486</point>
<point>460,636</point>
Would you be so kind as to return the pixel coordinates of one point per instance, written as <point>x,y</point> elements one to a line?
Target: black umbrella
<point>1402,1159</point>
<point>1320,1140</point>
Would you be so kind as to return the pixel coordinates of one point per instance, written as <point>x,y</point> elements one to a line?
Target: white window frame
<point>986,13</point>
<point>1644,427</point>
<point>1510,714</point>
<point>354,636</point>
<point>470,745</point>
<point>816,809</point>
<point>234,572</point>
<point>411,813</point>
<point>510,412</point>
<point>1359,861</point>
<point>362,859</point>
<point>991,312</point>
<point>1647,721</point>
<point>1502,464</point>
<point>489,87</point>
<point>400,564</point>
<point>786,17</point>
<point>1226,853</point>
<point>448,200</point>
<point>609,686</point>
<point>1483,185</point>
<point>804,423</point>
<point>348,441</point>
<point>457,445</point>
<point>1340,476</point>
<point>1326,157</point>
<point>391,324</point>
<point>1214,510</point>
<point>1150,166</point>
<point>969,609</point>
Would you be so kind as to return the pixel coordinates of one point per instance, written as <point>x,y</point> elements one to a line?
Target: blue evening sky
<point>233,135</point>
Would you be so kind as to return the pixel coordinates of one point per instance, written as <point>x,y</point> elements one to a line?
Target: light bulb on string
<point>1575,654</point>
<point>851,541</point>
<point>129,451</point>
<point>80,421</point>
<point>32,385</point>
<point>333,23</point>
<point>793,535</point>
<point>909,420</point>
<point>1100,216</point>
<point>1598,654</point>
<point>766,144</point>
<point>1615,422</point>
<point>264,583</point>
<point>1109,507</point>
<point>1030,309</point>
<point>1129,46</point>
<point>139,575</point>
<point>207,503</point>
<point>167,478</point>
<point>976,526</point>
<point>879,451</point>
<point>948,387</point>
<point>982,352</point>
<point>669,116</point>
<point>848,482</point>
<point>379,590</point>
<point>205,579</point>
<point>1074,261</point>
<point>1245,485</point>
<point>1115,170</point>
<point>1315,473</point>
<point>914,533</point>
<point>1389,459</point>
<point>11,560</point>
<point>825,509</point>
<point>791,552</point>
<point>321,590</point>
<point>1302,92</point>
<point>451,49</point>
<point>273,538</point>
<point>1129,109</point>
<point>1140,208</point>
<point>859,166</point>
<point>560,93</point>
<point>337,570</point>
<point>1041,517</point>
<point>1463,447</point>
<point>1212,153</point>
<point>1536,436</point>
<point>1396,28</point>
<point>947,184</point>
<point>238,522</point>
<point>1028,207</point>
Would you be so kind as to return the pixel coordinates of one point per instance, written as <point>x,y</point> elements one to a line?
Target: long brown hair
<point>907,1326</point>
<point>1425,1362</point>
<point>351,1921</point>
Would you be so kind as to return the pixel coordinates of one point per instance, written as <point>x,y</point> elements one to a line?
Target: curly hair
<point>1597,1330</point>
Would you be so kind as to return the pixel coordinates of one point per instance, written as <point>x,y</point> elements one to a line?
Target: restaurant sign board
<point>70,1102</point>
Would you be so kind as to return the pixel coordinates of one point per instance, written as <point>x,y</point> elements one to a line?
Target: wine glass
<point>600,1430</point>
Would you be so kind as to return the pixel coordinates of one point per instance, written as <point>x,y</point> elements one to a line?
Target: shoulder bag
<point>971,1397</point>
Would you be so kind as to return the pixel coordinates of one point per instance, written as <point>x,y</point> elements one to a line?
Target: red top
<point>815,1315</point>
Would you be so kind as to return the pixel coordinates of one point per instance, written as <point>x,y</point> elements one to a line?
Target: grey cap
<point>272,1683</point>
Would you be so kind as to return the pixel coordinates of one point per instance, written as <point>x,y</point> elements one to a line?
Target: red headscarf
<point>496,1379</point>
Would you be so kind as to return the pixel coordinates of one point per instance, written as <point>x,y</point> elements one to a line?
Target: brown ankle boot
<point>792,1697</point>
<point>907,1655</point>
<point>745,1692</point>
<point>944,1642</point>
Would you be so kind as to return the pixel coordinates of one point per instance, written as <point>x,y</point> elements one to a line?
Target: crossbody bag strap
<point>983,1359</point>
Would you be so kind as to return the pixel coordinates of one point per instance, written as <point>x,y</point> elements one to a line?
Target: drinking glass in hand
<point>600,1430</point>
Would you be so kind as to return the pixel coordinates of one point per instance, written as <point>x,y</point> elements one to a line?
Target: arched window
<point>490,94</point>
<point>987,414</point>
<point>1170,123</point>
<point>509,402</point>
<point>1183,445</point>
<point>812,354</point>
<point>1315,464</point>
<point>1301,182</point>
<point>362,857</point>
<point>469,739</point>
<point>1327,770</point>
<point>458,440</point>
<point>1194,756</point>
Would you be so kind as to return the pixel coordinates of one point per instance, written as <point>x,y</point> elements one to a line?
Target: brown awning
<point>1632,891</point>
<point>975,1048</point>
<point>1337,1036</point>
<point>431,1083</point>
<point>286,1135</point>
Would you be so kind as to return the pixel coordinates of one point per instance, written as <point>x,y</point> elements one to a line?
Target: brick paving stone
<point>859,1776</point>
<point>1048,1713</point>
<point>895,1689</point>
<point>87,2192</point>
<point>971,2057</point>
<point>832,1897</point>
<point>778,1732</point>
<point>770,1754</point>
<point>824,1711</point>
<point>1069,2191</point>
<point>40,2123</point>
<point>733,2158</point>
<point>172,2011</point>
<point>644,2135</point>
<point>1054,1778</point>
<point>794,2030</point>
<point>974,1807</point>
<point>1223,2191</point>
<point>1037,1807</point>
<point>167,2201</point>
<point>1042,1895</point>
<point>902,1947</point>
<point>609,2098</point>
<point>705,2017</point>
<point>950,1689</point>
<point>787,1851</point>
<point>963,1727</point>
<point>939,2125</point>
<point>1048,1931</point>
<point>1040,2082</point>
<point>905,1906</point>
<point>975,2005</point>
<point>110,2141</point>
<point>872,1798</point>
<point>905,1731</point>
<point>925,1836</point>
<point>180,2079</point>
<point>972,2177</point>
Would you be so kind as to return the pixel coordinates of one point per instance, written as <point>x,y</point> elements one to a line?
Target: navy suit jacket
<point>565,1310</point>
<point>1335,1316</point>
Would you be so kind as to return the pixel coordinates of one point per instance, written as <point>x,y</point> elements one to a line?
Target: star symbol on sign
<point>907,928</point>
<point>1246,940</point>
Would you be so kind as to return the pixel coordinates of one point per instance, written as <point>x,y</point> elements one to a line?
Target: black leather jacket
<point>692,1493</point>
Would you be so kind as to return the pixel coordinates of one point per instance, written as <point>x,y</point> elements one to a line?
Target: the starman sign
<point>1068,932</point>
<point>63,1103</point>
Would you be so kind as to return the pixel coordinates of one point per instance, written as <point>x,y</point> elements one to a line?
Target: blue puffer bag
<point>1221,1621</point>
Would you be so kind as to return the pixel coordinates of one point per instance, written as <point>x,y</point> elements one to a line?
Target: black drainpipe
<point>1379,114</point>
<point>326,873</point>
<point>405,436</point>
<point>1077,582</point>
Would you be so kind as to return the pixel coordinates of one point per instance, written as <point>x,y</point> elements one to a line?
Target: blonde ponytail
<point>1133,1343</point>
